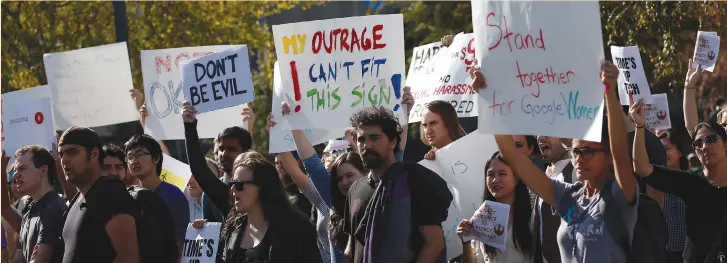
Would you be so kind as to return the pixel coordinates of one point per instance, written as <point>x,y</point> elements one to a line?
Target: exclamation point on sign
<point>296,84</point>
<point>396,83</point>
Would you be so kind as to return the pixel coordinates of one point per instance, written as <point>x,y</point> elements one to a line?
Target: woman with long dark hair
<point>261,225</point>
<point>677,148</point>
<point>346,169</point>
<point>503,186</point>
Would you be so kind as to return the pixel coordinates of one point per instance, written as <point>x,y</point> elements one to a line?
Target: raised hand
<point>189,114</point>
<point>248,114</point>
<point>609,74</point>
<point>407,99</point>
<point>479,82</point>
<point>137,97</point>
<point>464,228</point>
<point>447,40</point>
<point>285,109</point>
<point>199,223</point>
<point>431,155</point>
<point>4,162</point>
<point>636,112</point>
<point>270,124</point>
<point>693,76</point>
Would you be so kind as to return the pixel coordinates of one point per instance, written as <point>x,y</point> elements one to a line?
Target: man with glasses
<point>144,158</point>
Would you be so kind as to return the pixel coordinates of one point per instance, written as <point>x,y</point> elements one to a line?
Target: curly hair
<point>378,116</point>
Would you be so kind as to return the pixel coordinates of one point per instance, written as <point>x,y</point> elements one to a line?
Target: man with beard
<point>560,168</point>
<point>114,165</point>
<point>100,224</point>
<point>415,199</point>
<point>42,224</point>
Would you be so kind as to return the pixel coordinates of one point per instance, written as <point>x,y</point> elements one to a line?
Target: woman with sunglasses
<point>705,196</point>
<point>262,226</point>
<point>587,206</point>
<point>504,187</point>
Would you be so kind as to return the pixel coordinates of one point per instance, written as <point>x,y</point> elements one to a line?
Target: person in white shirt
<point>503,186</point>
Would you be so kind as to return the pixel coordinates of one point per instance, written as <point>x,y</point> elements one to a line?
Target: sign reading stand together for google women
<point>219,80</point>
<point>162,69</point>
<point>542,61</point>
<point>631,79</point>
<point>200,245</point>
<point>331,68</point>
<point>91,86</point>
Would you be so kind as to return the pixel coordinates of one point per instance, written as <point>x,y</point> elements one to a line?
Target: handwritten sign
<point>27,122</point>
<point>175,172</point>
<point>281,140</point>
<point>333,67</point>
<point>707,50</point>
<point>91,86</point>
<point>463,168</point>
<point>200,245</point>
<point>632,79</point>
<point>490,222</point>
<point>161,70</point>
<point>657,113</point>
<point>449,80</point>
<point>542,62</point>
<point>218,80</point>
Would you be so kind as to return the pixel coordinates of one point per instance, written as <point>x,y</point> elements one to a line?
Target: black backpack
<point>650,232</point>
<point>154,225</point>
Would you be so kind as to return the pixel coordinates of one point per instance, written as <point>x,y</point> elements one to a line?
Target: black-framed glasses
<point>133,156</point>
<point>586,152</point>
<point>239,185</point>
<point>709,139</point>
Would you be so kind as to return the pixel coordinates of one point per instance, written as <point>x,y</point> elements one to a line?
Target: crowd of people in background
<point>571,200</point>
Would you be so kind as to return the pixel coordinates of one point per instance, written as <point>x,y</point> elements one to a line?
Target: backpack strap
<point>715,244</point>
<point>616,227</point>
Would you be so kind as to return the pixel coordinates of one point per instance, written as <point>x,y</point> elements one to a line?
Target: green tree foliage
<point>30,29</point>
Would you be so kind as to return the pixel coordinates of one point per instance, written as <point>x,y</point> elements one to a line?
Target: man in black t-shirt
<point>100,222</point>
<point>415,198</point>
<point>42,222</point>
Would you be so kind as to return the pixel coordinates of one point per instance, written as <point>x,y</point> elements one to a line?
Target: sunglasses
<point>701,142</point>
<point>239,185</point>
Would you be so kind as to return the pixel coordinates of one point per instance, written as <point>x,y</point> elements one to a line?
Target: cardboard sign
<point>542,62</point>
<point>161,70</point>
<point>91,86</point>
<point>27,122</point>
<point>449,80</point>
<point>218,80</point>
<point>706,50</point>
<point>200,245</point>
<point>175,172</point>
<point>281,140</point>
<point>490,224</point>
<point>33,93</point>
<point>632,79</point>
<point>463,168</point>
<point>331,68</point>
<point>657,113</point>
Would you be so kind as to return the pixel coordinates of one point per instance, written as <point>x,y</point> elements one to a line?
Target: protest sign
<point>631,78</point>
<point>33,93</point>
<point>463,168</point>
<point>161,70</point>
<point>27,122</point>
<point>657,113</point>
<point>175,172</point>
<point>91,86</point>
<point>490,224</point>
<point>333,67</point>
<point>200,245</point>
<point>281,140</point>
<point>449,80</point>
<point>542,61</point>
<point>706,50</point>
<point>218,80</point>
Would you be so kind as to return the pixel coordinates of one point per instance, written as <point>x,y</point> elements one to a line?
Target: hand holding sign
<point>464,229</point>
<point>693,76</point>
<point>609,75</point>
<point>189,114</point>
<point>479,82</point>
<point>636,112</point>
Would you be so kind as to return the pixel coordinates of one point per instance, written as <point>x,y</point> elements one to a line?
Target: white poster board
<point>175,172</point>
<point>657,113</point>
<point>27,122</point>
<point>161,70</point>
<point>91,86</point>
<point>489,224</point>
<point>631,78</point>
<point>542,61</point>
<point>325,81</point>
<point>218,80</point>
<point>281,140</point>
<point>200,245</point>
<point>463,168</point>
<point>706,50</point>
<point>448,80</point>
<point>33,93</point>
